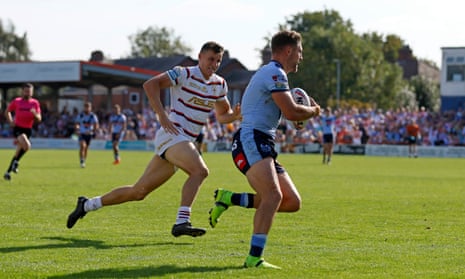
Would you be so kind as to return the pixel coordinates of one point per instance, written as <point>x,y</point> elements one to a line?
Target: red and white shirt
<point>193,98</point>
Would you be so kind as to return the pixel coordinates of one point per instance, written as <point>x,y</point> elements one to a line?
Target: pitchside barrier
<point>354,149</point>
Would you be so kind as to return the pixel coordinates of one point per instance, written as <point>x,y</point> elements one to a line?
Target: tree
<point>366,75</point>
<point>158,42</point>
<point>12,46</point>
<point>426,92</point>
<point>391,47</point>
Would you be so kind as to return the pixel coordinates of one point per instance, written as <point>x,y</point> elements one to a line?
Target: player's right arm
<point>9,118</point>
<point>77,126</point>
<point>293,111</point>
<point>8,115</point>
<point>153,89</point>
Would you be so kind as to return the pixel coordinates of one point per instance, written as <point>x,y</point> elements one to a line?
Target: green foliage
<point>367,73</point>
<point>12,46</point>
<point>426,92</point>
<point>157,42</point>
<point>391,47</point>
<point>361,217</point>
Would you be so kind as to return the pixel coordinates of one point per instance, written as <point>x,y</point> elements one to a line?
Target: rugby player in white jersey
<point>195,91</point>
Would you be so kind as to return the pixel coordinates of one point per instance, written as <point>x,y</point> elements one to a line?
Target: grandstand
<point>438,129</point>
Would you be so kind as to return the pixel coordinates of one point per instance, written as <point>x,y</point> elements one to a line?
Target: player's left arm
<point>125,125</point>
<point>37,113</point>
<point>123,129</point>
<point>225,113</point>
<point>96,125</point>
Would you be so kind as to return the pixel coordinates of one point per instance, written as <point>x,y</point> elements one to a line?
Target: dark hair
<point>285,38</point>
<point>213,46</point>
<point>27,85</point>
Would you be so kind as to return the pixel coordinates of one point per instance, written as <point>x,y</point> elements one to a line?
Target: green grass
<point>362,217</point>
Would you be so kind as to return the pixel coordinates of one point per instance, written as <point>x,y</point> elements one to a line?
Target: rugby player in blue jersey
<point>118,126</point>
<point>267,98</point>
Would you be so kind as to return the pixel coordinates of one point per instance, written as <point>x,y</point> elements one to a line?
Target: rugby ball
<point>300,97</point>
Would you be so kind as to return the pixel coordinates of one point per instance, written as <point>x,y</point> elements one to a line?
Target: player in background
<point>413,135</point>
<point>195,92</point>
<point>118,125</point>
<point>267,98</point>
<point>86,125</point>
<point>199,140</point>
<point>328,131</point>
<point>26,111</point>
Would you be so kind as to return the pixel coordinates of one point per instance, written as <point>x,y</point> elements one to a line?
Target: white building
<point>453,78</point>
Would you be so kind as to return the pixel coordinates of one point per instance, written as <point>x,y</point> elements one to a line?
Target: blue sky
<point>70,30</point>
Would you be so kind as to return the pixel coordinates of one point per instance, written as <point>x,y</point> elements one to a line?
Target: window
<point>455,72</point>
<point>134,98</point>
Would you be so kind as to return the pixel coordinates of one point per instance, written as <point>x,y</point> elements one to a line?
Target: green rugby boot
<point>259,263</point>
<point>222,202</point>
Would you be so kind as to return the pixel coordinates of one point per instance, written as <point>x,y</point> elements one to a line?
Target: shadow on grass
<point>81,243</point>
<point>142,272</point>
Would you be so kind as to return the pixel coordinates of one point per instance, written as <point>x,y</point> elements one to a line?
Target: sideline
<point>147,145</point>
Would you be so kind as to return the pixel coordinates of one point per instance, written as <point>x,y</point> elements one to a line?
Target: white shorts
<point>164,140</point>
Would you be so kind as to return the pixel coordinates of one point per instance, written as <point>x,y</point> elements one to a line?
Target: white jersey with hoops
<point>193,98</point>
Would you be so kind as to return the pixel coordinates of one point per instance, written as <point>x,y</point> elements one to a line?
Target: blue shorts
<point>86,138</point>
<point>251,147</point>
<point>117,137</point>
<point>328,138</point>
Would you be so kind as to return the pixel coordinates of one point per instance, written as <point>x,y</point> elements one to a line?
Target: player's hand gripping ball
<point>300,97</point>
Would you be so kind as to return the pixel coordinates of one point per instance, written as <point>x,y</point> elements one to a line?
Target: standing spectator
<point>86,126</point>
<point>413,135</point>
<point>365,136</point>
<point>328,131</point>
<point>195,91</point>
<point>26,111</point>
<point>199,140</point>
<point>266,99</point>
<point>118,125</point>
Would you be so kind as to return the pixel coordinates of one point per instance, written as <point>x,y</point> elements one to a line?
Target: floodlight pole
<point>338,81</point>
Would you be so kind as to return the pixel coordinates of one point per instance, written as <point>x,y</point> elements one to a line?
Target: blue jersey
<point>117,122</point>
<point>259,111</point>
<point>328,124</point>
<point>86,123</point>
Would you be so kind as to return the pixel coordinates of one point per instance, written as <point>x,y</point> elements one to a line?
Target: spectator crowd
<point>368,126</point>
<point>352,126</point>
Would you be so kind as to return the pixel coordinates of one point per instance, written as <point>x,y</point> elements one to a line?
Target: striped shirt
<point>86,123</point>
<point>193,98</point>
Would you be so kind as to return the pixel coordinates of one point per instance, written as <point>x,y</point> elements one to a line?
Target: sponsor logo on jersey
<point>201,102</point>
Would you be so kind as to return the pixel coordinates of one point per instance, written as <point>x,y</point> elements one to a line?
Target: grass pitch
<point>362,217</point>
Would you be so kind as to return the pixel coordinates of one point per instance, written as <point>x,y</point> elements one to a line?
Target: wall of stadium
<point>367,150</point>
<point>453,78</point>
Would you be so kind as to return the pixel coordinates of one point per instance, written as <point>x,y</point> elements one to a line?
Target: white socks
<point>184,215</point>
<point>93,204</point>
